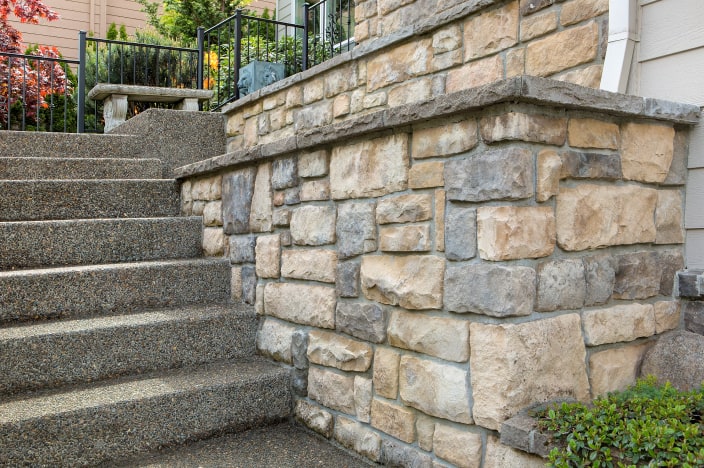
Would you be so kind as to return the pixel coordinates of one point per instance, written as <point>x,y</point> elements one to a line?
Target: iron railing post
<point>201,56</point>
<point>304,61</point>
<point>238,50</point>
<point>81,81</point>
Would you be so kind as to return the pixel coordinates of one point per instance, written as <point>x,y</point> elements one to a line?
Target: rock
<point>268,255</point>
<point>332,350</point>
<point>386,366</point>
<point>460,232</point>
<point>592,133</point>
<point>314,417</point>
<point>549,168</point>
<point>426,175</point>
<point>358,437</point>
<point>364,321</point>
<point>249,285</point>
<point>618,323</point>
<point>646,151</point>
<point>510,232</point>
<point>562,50</point>
<point>212,214</point>
<point>299,349</point>
<point>600,275</point>
<point>394,420</point>
<point>314,190</point>
<point>668,218</point>
<point>445,338</point>
<point>425,430</point>
<point>399,64</point>
<point>525,127</point>
<point>213,242</point>
<point>311,265</point>
<point>347,279</point>
<point>490,32</point>
<point>638,275</point>
<point>572,13</point>
<point>694,316</point>
<point>677,358</point>
<point>356,229</point>
<point>261,211</point>
<point>413,282</point>
<point>281,217</point>
<point>313,225</point>
<point>237,192</point>
<point>667,315</point>
<point>314,164</point>
<point>332,390</point>
<point>301,303</point>
<point>446,140</point>
<point>404,209</point>
<point>538,25</point>
<point>284,173</point>
<point>412,238</point>
<point>242,249</point>
<point>363,398</point>
<point>503,456</point>
<point>274,340</point>
<point>475,73</point>
<point>561,285</point>
<point>461,448</point>
<point>615,369</point>
<point>581,165</point>
<point>397,455</point>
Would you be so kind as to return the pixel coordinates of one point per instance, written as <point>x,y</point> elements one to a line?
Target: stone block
<point>638,275</point>
<point>198,207</point>
<point>330,389</point>
<point>242,249</point>
<point>249,285</point>
<point>581,165</point>
<point>460,232</point>
<point>314,417</point>
<point>694,316</point>
<point>440,197</point>
<point>510,232</point>
<point>646,151</point>
<point>395,420</point>
<point>538,25</point>
<point>281,217</point>
<point>312,116</point>
<point>315,190</point>
<point>524,127</point>
<point>563,50</point>
<point>209,188</point>
<point>618,323</point>
<point>529,7</point>
<point>615,369</point>
<point>259,298</point>
<point>592,133</point>
<point>589,76</point>
<point>494,290</point>
<point>292,196</point>
<point>212,214</point>
<point>447,39</point>
<point>385,375</point>
<point>313,225</point>
<point>413,282</point>
<point>300,303</point>
<point>311,265</point>
<point>404,209</point>
<point>425,430</point>
<point>492,31</point>
<point>410,238</point>
<point>274,339</point>
<point>261,211</point>
<point>671,261</point>
<point>436,389</point>
<point>313,164</point>
<point>364,321</point>
<point>299,349</point>
<point>299,383</point>
<point>446,338</point>
<point>459,447</point>
<point>513,366</point>
<point>237,192</point>
<point>358,437</point>
<point>332,350</point>
<point>426,175</point>
<point>600,275</point>
<point>419,89</point>
<point>504,174</point>
<point>347,279</point>
<point>561,285</point>
<point>581,10</point>
<point>398,64</point>
<point>591,216</point>
<point>668,218</point>
<point>499,455</point>
<point>445,140</point>
<point>363,398</point>
<point>356,229</point>
<point>515,63</point>
<point>268,255</point>
<point>678,167</point>
<point>397,454</point>
<point>369,168</point>
<point>549,168</point>
<point>213,242</point>
<point>667,315</point>
<point>475,73</point>
<point>341,105</point>
<point>677,358</point>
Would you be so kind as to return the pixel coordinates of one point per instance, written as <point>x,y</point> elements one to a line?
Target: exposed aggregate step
<point>51,145</point>
<point>78,168</point>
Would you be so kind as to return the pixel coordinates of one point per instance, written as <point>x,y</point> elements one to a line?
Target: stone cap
<point>148,93</point>
<point>523,89</point>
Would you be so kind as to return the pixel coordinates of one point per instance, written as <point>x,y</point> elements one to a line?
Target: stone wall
<point>427,48</point>
<point>429,270</point>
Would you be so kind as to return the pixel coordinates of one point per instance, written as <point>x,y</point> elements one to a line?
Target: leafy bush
<point>646,425</point>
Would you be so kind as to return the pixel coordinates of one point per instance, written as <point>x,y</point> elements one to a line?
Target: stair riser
<point>84,291</point>
<point>47,145</point>
<point>48,361</point>
<point>94,435</point>
<point>83,242</point>
<point>71,169</point>
<point>52,200</point>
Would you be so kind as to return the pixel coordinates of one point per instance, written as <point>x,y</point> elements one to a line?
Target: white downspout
<point>623,35</point>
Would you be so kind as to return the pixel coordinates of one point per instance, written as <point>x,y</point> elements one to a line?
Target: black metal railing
<point>330,29</point>
<point>36,93</point>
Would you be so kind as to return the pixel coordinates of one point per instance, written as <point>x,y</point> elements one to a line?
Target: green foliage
<point>646,425</point>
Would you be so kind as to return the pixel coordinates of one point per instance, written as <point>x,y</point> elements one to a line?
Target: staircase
<point>116,336</point>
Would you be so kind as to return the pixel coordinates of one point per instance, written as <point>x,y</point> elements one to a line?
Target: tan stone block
<point>253,109</point>
<point>314,417</point>
<point>549,168</point>
<point>212,213</point>
<point>214,242</point>
<point>410,91</point>
<point>313,90</point>
<point>446,338</point>
<point>618,323</point>
<point>236,283</point>
<point>591,216</point>
<point>341,105</point>
<point>404,209</point>
<point>312,265</point>
<point>588,76</point>
<point>394,420</point>
<point>615,369</point>
<point>369,168</point>
<point>300,303</point>
<point>330,389</point>
<point>515,62</point>
<point>435,389</point>
<point>460,447</point>
<point>259,300</point>
<point>386,365</point>
<point>340,79</point>
<point>261,211</point>
<point>412,238</point>
<point>363,398</point>
<point>426,175</point>
<point>425,430</point>
<point>332,350</point>
<point>646,151</point>
<point>315,190</point>
<point>361,30</point>
<point>313,164</point>
<point>277,119</point>
<point>268,256</point>
<point>563,50</point>
<point>413,282</point>
<point>517,365</point>
<point>525,127</point>
<point>444,140</point>
<point>510,232</point>
<point>447,60</point>
<point>273,101</point>
<point>538,25</point>
<point>235,124</point>
<point>667,315</point>
<point>198,207</point>
<point>387,6</point>
<point>668,218</point>
<point>313,225</point>
<point>440,196</point>
<point>476,73</point>
<point>576,11</point>
<point>447,39</point>
<point>251,135</point>
<point>294,96</point>
<point>274,339</point>
<point>592,133</point>
<point>491,31</point>
<point>358,437</point>
<point>499,455</point>
<point>209,188</point>
<point>399,64</point>
<point>374,100</point>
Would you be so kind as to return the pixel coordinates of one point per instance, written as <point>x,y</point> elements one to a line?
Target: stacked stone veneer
<point>433,269</point>
<point>428,48</point>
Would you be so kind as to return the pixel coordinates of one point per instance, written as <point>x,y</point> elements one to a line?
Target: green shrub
<point>646,425</point>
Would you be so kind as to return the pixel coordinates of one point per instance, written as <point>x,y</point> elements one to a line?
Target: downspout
<point>623,35</point>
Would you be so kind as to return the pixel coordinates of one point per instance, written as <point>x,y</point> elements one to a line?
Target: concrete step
<point>50,354</point>
<point>15,144</point>
<point>34,244</point>
<point>36,200</point>
<point>92,290</point>
<point>78,168</point>
<point>116,419</point>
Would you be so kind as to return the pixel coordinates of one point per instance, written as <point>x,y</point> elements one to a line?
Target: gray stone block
<point>292,196</point>
<point>694,316</point>
<point>249,284</point>
<point>299,349</point>
<point>641,275</point>
<point>284,173</point>
<point>242,249</point>
<point>347,279</point>
<point>460,232</point>
<point>582,165</point>
<point>690,283</point>
<point>299,382</point>
<point>356,229</point>
<point>397,455</point>
<point>600,274</point>
<point>677,358</point>
<point>364,321</point>
<point>237,192</point>
<point>561,285</point>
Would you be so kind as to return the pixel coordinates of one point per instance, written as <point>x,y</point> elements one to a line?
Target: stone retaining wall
<point>429,270</point>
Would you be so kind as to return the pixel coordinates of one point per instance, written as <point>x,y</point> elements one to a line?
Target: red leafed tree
<point>26,81</point>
